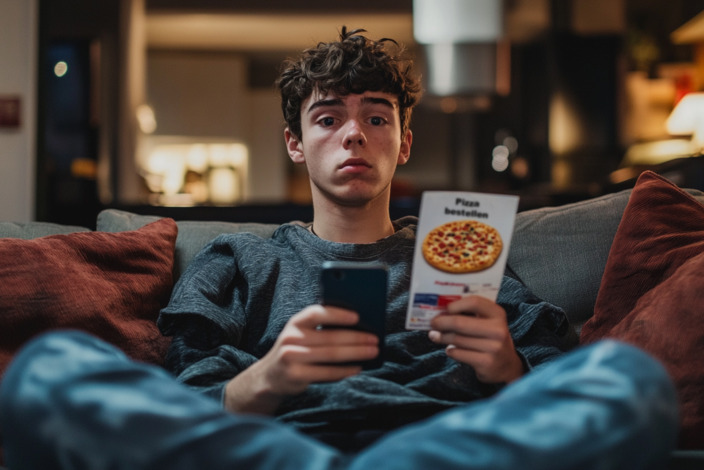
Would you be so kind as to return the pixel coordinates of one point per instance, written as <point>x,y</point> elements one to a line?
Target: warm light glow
<point>227,155</point>
<point>448,105</point>
<point>688,118</point>
<point>146,119</point>
<point>520,168</point>
<point>657,152</point>
<point>224,185</point>
<point>84,168</point>
<point>60,69</point>
<point>197,158</point>
<point>183,171</point>
<point>564,131</point>
<point>561,174</point>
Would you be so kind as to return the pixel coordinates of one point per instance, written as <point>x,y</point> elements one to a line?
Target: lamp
<point>688,119</point>
<point>457,21</point>
<point>459,38</point>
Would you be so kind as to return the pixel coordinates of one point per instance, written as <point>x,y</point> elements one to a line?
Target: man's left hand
<point>476,332</point>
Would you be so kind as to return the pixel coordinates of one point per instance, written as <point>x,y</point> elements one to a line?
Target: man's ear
<point>405,151</point>
<point>294,147</point>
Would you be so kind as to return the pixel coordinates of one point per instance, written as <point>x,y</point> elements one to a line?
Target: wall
<point>18,40</point>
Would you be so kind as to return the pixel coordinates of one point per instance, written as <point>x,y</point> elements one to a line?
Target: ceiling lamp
<point>459,39</point>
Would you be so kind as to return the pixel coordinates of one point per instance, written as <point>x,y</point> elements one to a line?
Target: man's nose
<point>354,134</point>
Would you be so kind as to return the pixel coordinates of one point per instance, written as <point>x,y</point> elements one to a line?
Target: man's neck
<point>344,224</point>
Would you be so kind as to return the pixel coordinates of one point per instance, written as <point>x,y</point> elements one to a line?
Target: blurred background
<point>168,106</point>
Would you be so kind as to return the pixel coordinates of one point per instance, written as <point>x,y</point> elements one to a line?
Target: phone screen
<point>360,287</point>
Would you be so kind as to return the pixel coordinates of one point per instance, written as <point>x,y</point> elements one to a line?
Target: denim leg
<point>606,406</point>
<point>70,401</point>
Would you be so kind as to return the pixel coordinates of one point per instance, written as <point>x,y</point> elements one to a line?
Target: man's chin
<point>356,197</point>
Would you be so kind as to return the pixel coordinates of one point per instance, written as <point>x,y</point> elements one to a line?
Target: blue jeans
<point>70,401</point>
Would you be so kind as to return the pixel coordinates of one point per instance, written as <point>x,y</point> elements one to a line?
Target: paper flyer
<point>462,244</point>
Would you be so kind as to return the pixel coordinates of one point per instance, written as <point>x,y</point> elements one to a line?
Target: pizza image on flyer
<point>462,243</point>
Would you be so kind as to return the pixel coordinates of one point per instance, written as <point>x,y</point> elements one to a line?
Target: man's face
<point>351,145</point>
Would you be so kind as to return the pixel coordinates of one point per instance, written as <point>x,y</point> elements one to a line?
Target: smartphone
<point>360,287</point>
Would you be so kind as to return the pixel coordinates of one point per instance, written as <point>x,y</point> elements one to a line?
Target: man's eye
<point>327,121</point>
<point>376,121</point>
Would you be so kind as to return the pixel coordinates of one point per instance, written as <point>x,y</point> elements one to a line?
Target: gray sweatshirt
<point>232,302</point>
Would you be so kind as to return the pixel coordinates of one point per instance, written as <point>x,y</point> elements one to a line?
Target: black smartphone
<point>360,287</point>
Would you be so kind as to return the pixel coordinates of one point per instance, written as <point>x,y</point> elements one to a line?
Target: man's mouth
<point>354,163</point>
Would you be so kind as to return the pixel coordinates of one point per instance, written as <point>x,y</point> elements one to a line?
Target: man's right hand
<point>303,354</point>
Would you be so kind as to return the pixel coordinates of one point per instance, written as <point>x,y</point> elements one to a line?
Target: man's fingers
<point>463,342</point>
<point>463,325</point>
<point>328,354</point>
<point>315,315</point>
<point>341,337</point>
<point>477,306</point>
<point>319,326</point>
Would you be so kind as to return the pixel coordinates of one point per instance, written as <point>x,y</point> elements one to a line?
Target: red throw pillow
<point>652,291</point>
<point>109,284</point>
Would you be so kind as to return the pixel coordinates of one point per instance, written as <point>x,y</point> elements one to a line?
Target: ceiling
<point>257,31</point>
<point>297,28</point>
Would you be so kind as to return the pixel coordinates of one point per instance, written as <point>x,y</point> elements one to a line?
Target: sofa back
<point>558,252</point>
<point>30,230</point>
<point>192,235</point>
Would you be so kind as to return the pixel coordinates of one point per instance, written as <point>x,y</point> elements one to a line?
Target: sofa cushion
<point>111,285</point>
<point>652,292</point>
<point>560,252</point>
<point>30,230</point>
<point>192,235</point>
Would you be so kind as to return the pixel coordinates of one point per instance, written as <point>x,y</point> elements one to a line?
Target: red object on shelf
<point>683,85</point>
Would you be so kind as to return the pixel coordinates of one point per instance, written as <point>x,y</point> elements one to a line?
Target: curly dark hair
<point>354,64</point>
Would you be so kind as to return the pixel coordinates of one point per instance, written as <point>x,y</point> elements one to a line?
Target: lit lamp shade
<point>688,119</point>
<point>459,41</point>
<point>457,21</point>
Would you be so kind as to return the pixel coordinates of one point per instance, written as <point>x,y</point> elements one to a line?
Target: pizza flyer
<point>462,243</point>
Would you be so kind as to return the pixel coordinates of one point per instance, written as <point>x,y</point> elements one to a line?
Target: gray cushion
<point>560,252</point>
<point>29,230</point>
<point>192,235</point>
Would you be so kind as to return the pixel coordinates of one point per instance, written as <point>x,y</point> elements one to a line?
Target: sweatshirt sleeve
<point>206,322</point>
<point>540,330</point>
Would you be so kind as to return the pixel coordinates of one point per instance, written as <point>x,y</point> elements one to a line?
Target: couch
<point>561,253</point>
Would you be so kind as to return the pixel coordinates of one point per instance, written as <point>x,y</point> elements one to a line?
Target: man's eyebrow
<point>338,102</point>
<point>325,102</point>
<point>377,100</point>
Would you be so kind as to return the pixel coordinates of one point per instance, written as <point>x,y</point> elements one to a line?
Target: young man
<point>347,105</point>
<point>245,322</point>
